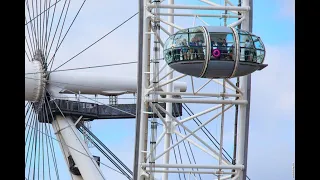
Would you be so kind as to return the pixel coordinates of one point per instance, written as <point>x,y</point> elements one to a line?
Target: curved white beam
<point>90,83</point>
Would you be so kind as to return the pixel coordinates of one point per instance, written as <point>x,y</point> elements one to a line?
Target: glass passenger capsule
<point>214,52</point>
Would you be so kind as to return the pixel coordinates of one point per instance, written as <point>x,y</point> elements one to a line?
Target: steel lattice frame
<point>147,158</point>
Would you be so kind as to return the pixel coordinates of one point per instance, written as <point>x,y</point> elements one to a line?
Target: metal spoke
<point>95,42</point>
<point>42,12</point>
<point>58,45</point>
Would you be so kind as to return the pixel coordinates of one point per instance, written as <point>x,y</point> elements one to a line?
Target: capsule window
<point>180,46</point>
<point>257,43</point>
<point>197,46</point>
<point>186,45</point>
<point>260,56</point>
<point>222,46</point>
<point>168,55</point>
<point>247,49</point>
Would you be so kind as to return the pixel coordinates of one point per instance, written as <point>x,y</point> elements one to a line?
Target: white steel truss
<point>155,90</point>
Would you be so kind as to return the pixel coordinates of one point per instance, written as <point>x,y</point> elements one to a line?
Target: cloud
<point>271,136</point>
<point>274,86</point>
<point>288,8</point>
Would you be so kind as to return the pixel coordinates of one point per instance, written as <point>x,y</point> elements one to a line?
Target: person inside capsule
<point>247,50</point>
<point>224,50</point>
<point>176,51</point>
<point>219,47</point>
<point>230,53</point>
<point>213,47</point>
<point>185,54</point>
<point>193,51</point>
<point>200,51</point>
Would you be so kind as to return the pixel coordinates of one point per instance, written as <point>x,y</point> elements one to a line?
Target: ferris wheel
<point>191,97</point>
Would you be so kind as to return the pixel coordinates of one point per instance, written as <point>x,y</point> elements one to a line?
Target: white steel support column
<point>244,109</point>
<point>167,136</point>
<point>78,149</point>
<point>64,149</point>
<point>155,82</point>
<point>142,175</point>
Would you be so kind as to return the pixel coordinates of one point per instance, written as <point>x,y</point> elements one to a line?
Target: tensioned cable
<point>207,131</point>
<point>29,142</point>
<point>26,113</point>
<point>211,136</point>
<point>46,29</point>
<point>47,141</point>
<point>28,131</point>
<point>88,67</point>
<point>35,150</point>
<point>64,20</point>
<point>48,38</point>
<point>37,24</point>
<point>34,38</point>
<point>65,16</point>
<point>38,144</point>
<point>73,148</point>
<point>30,145</point>
<point>43,155</point>
<point>175,109</point>
<point>30,138</point>
<point>175,156</point>
<point>104,153</point>
<point>30,52</point>
<point>101,150</point>
<point>25,19</point>
<point>40,31</point>
<point>66,33</point>
<point>183,144</point>
<point>42,12</point>
<point>55,32</point>
<point>106,148</point>
<point>31,40</point>
<point>178,147</point>
<point>30,117</point>
<point>51,142</point>
<point>46,18</point>
<point>96,41</point>
<point>42,20</point>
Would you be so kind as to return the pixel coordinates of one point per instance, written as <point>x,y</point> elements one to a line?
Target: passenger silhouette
<point>230,54</point>
<point>247,50</point>
<point>224,50</point>
<point>200,51</point>
<point>219,47</point>
<point>184,50</point>
<point>193,50</point>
